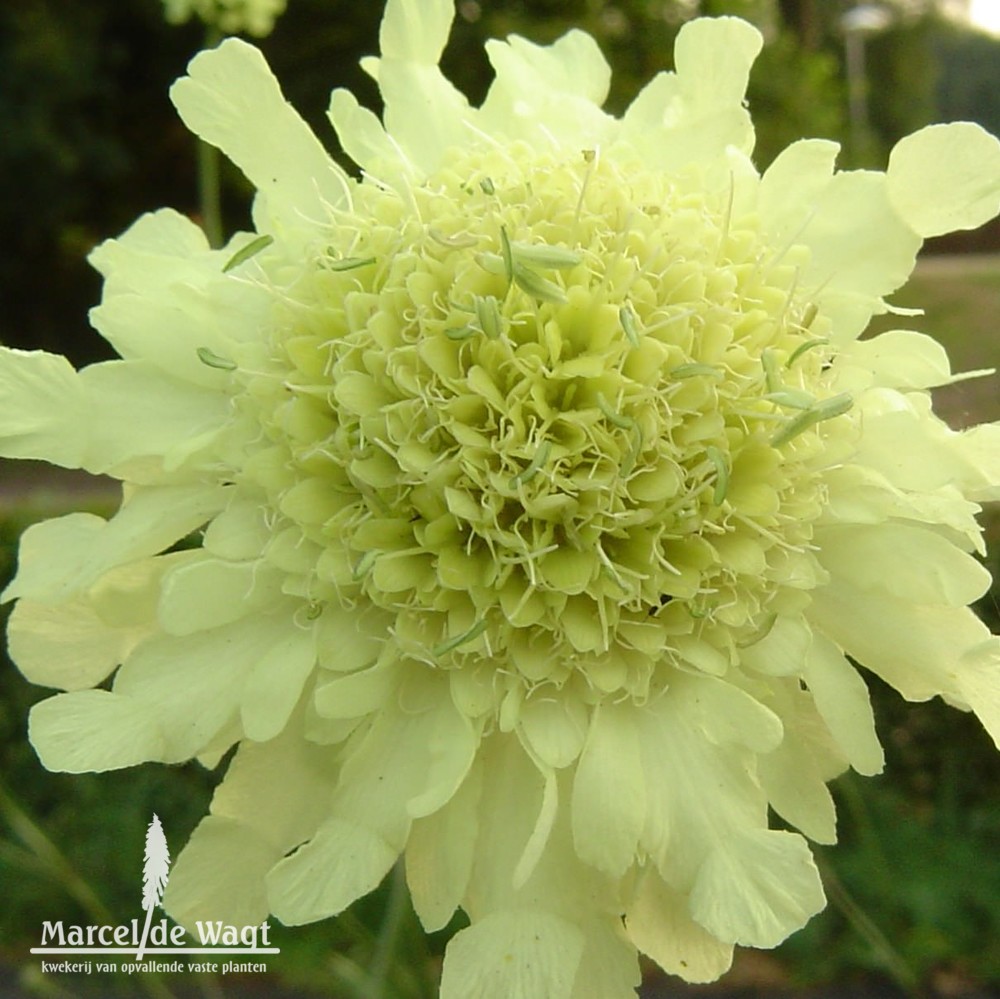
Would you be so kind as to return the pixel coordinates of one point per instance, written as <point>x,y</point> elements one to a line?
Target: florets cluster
<point>546,487</point>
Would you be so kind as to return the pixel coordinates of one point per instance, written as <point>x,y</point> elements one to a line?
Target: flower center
<point>564,416</point>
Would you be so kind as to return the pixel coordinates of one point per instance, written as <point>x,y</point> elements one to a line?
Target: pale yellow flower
<point>546,486</point>
<point>231,17</point>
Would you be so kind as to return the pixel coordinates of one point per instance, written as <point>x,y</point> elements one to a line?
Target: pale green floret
<point>540,419</point>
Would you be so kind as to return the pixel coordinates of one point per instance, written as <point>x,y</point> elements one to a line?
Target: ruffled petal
<point>424,113</point>
<point>909,561</point>
<point>659,923</point>
<point>439,854</point>
<point>609,793</point>
<point>231,99</point>
<point>68,645</point>
<point>94,730</point>
<point>166,297</point>
<point>342,862</point>
<point>44,407</point>
<point>219,875</point>
<point>945,177</point>
<point>757,888</point>
<point>693,116</point>
<point>916,648</point>
<point>513,955</point>
<point>548,94</point>
<point>163,672</point>
<point>842,700</point>
<point>65,555</point>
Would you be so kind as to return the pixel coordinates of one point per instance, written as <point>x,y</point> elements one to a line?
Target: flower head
<point>546,486</point>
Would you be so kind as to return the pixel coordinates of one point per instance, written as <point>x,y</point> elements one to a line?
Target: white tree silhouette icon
<point>155,871</point>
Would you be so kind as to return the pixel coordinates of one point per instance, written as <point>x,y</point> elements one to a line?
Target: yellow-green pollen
<point>563,417</point>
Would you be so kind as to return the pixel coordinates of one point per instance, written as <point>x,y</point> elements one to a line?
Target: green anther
<point>715,456</point>
<point>793,398</point>
<point>541,255</point>
<point>453,643</point>
<point>625,422</point>
<point>809,316</point>
<point>250,250</point>
<point>461,240</point>
<point>693,369</point>
<point>365,564</point>
<point>802,348</point>
<point>836,405</point>
<point>507,256</point>
<point>488,314</point>
<point>492,263</point>
<point>772,374</point>
<point>486,185</point>
<point>538,287</point>
<point>628,320</point>
<point>213,360</point>
<point>349,263</point>
<point>527,474</point>
<point>313,611</point>
<point>460,332</point>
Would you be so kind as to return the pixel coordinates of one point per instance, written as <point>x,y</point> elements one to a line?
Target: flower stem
<point>57,866</point>
<point>388,937</point>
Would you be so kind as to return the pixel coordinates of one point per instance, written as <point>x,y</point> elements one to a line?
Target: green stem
<point>388,936</point>
<point>55,864</point>
<point>895,964</point>
<point>209,163</point>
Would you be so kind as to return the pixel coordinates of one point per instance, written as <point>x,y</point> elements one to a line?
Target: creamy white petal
<point>366,141</point>
<point>908,561</point>
<point>553,728</point>
<point>65,555</point>
<point>439,854</point>
<point>859,251</point>
<point>280,789</point>
<point>792,186</point>
<point>274,684</point>
<point>726,713</point>
<point>978,682</point>
<point>513,955</point>
<point>609,793</point>
<point>94,730</point>
<point>342,862</point>
<point>231,99</point>
<point>45,408</point>
<point>945,177</point>
<point>914,647</point>
<point>66,645</point>
<point>407,764</point>
<point>782,651</point>
<point>842,700</point>
<point>757,887</point>
<point>194,683</point>
<point>548,94</point>
<point>207,884</point>
<point>136,411</point>
<point>416,31</point>
<point>609,965</point>
<point>900,359</point>
<point>659,923</point>
<point>207,593</point>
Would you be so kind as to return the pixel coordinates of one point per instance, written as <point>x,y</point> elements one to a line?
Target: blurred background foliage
<point>89,140</point>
